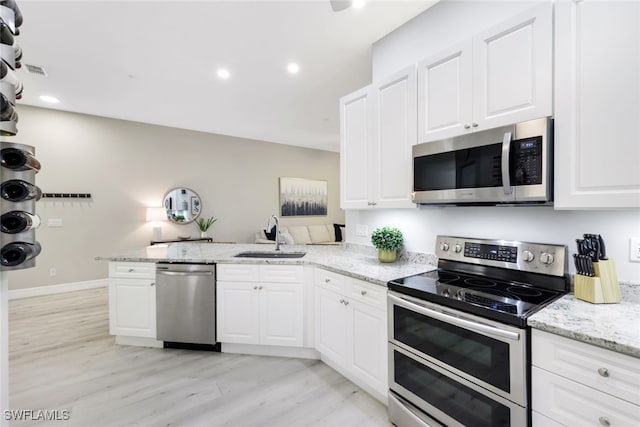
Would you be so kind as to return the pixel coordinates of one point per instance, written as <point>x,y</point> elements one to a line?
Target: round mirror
<point>182,205</point>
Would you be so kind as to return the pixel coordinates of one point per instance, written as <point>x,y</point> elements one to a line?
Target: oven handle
<point>506,154</point>
<point>463,323</point>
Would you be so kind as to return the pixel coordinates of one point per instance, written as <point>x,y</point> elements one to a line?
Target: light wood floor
<point>63,358</point>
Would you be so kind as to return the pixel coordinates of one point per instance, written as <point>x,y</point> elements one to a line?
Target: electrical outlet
<point>52,272</point>
<point>634,249</point>
<point>362,230</point>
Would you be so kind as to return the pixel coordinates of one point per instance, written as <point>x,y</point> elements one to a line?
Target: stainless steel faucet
<point>277,224</point>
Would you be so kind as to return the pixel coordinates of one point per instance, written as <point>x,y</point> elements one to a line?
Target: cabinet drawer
<point>573,404</point>
<point>281,273</point>
<point>610,372</point>
<point>368,293</point>
<point>238,272</point>
<point>132,270</point>
<point>331,281</point>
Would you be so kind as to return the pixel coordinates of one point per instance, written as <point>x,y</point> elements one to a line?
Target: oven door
<point>445,398</point>
<point>487,353</point>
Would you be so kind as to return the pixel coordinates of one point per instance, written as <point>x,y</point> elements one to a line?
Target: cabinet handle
<point>373,203</point>
<point>475,125</point>
<point>466,126</point>
<point>153,283</point>
<point>255,288</point>
<point>346,303</point>
<point>604,421</point>
<point>260,287</point>
<point>327,280</point>
<point>341,301</point>
<point>604,372</point>
<point>363,293</point>
<point>131,270</point>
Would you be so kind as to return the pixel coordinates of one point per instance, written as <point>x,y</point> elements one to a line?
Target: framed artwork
<point>303,197</point>
<point>195,206</point>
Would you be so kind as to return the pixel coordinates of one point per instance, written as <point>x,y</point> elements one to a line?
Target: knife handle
<point>603,250</point>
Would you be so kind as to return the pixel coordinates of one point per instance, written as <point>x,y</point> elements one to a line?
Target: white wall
<point>128,166</point>
<point>447,23</point>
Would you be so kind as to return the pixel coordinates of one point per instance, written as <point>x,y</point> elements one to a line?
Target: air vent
<point>36,69</point>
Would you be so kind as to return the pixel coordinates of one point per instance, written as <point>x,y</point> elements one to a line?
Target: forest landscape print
<point>303,197</point>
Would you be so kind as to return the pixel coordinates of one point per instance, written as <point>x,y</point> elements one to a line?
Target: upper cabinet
<point>501,76</point>
<point>597,105</point>
<point>377,131</point>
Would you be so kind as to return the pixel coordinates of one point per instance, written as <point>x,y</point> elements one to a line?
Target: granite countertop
<point>612,326</point>
<point>356,261</point>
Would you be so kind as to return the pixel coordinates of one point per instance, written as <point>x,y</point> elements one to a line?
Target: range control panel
<point>534,257</point>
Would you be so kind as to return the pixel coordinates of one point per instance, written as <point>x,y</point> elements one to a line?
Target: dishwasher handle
<point>184,273</point>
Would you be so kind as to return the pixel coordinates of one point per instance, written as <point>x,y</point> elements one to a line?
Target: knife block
<point>601,289</point>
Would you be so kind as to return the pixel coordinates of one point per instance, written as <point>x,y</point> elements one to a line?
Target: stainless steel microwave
<point>507,165</point>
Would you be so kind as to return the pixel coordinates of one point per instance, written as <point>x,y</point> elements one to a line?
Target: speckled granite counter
<point>612,326</point>
<point>351,260</point>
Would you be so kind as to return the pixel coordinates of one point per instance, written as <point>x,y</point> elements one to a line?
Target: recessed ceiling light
<point>223,73</point>
<point>358,3</point>
<point>293,68</point>
<point>49,99</point>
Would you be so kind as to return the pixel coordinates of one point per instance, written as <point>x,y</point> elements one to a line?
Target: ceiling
<point>156,62</point>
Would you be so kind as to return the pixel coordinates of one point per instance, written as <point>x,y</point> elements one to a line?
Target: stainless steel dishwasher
<point>186,305</point>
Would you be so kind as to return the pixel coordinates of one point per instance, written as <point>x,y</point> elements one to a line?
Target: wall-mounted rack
<point>66,195</point>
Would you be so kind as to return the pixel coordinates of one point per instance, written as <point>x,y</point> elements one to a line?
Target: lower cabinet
<point>132,299</point>
<point>351,329</point>
<point>260,305</point>
<point>574,384</point>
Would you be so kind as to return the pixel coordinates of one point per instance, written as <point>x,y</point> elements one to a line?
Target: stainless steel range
<point>459,349</point>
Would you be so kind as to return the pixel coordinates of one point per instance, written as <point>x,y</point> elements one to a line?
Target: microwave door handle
<point>506,154</point>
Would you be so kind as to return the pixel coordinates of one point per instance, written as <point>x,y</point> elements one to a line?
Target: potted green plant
<point>204,225</point>
<point>387,240</point>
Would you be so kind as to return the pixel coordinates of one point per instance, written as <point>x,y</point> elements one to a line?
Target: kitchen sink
<point>270,254</point>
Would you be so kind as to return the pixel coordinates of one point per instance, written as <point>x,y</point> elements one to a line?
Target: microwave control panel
<point>526,158</point>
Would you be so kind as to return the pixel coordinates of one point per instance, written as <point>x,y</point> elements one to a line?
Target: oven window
<point>465,405</point>
<point>476,167</point>
<point>482,357</point>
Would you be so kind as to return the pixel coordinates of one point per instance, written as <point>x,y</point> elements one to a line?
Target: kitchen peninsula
<point>330,304</point>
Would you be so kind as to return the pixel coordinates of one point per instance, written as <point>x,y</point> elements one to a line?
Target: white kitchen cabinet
<point>501,76</point>
<point>445,93</point>
<point>351,329</point>
<point>574,383</point>
<point>377,131</point>
<point>331,320</point>
<point>132,299</point>
<point>260,304</point>
<point>597,104</point>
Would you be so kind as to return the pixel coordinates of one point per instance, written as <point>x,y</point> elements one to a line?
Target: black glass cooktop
<point>510,302</point>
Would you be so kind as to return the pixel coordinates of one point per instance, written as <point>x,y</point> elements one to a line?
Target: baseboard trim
<point>270,350</point>
<point>56,289</point>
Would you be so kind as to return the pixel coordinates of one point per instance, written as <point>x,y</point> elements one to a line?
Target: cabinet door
<point>237,312</point>
<point>281,316</point>
<point>132,307</point>
<point>368,352</point>
<point>355,149</point>
<point>331,325</point>
<point>393,136</point>
<point>597,105</point>
<point>444,93</point>
<point>513,66</point>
